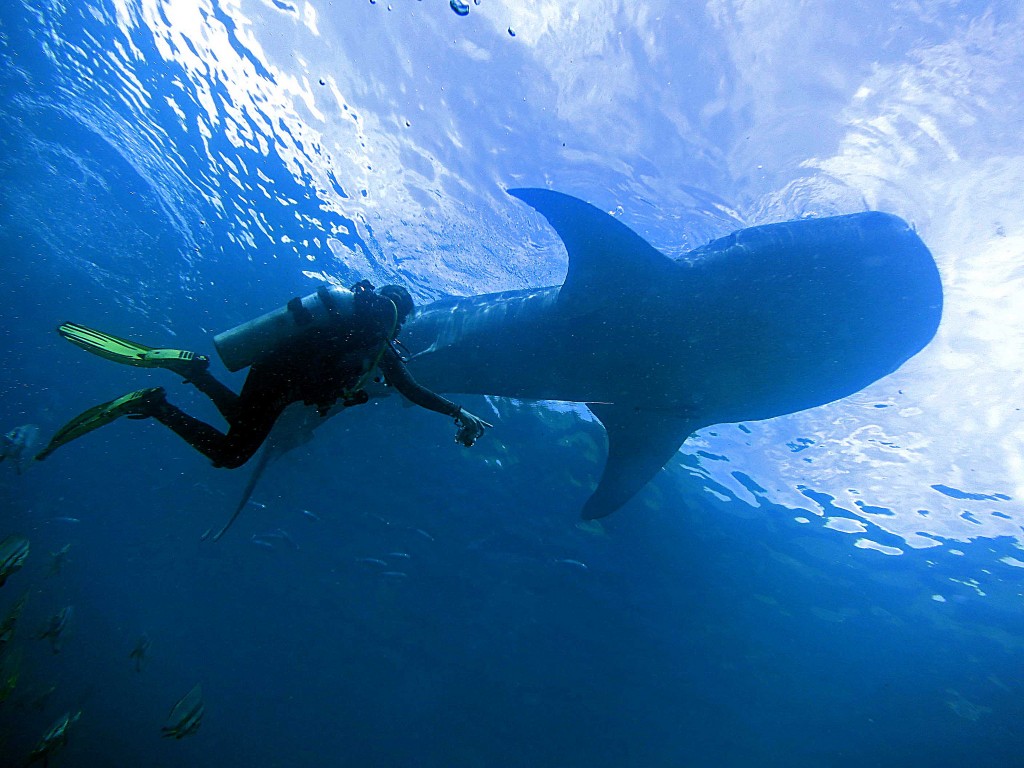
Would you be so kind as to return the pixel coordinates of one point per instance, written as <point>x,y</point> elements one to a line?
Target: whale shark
<point>767,321</point>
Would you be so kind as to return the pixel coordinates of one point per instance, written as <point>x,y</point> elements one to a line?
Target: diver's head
<point>401,298</point>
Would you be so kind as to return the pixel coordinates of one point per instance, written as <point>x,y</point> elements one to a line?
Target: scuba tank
<point>245,344</point>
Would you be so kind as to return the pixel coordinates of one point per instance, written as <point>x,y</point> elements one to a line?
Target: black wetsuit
<point>318,370</point>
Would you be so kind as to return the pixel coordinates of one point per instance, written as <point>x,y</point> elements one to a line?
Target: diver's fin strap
<point>157,356</point>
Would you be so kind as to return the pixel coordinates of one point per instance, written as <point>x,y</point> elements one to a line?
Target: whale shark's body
<point>767,321</point>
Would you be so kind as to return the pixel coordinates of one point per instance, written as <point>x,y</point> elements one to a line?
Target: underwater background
<point>838,587</point>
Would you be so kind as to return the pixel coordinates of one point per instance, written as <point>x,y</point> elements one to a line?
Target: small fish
<point>371,561</point>
<point>261,542</point>
<point>65,519</point>
<point>57,560</point>
<point>573,563</point>
<point>54,739</point>
<point>42,698</point>
<point>593,527</point>
<point>186,715</point>
<point>403,555</point>
<point>424,534</point>
<point>18,445</point>
<point>13,552</point>
<point>10,672</point>
<point>206,534</point>
<point>10,622</point>
<point>282,534</point>
<point>55,628</point>
<point>257,504</point>
<point>140,650</point>
<point>310,515</point>
<point>395,574</point>
<point>276,535</point>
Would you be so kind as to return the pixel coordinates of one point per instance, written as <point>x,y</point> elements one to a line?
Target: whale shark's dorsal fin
<point>605,256</point>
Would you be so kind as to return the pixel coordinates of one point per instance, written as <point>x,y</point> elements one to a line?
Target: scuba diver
<point>318,350</point>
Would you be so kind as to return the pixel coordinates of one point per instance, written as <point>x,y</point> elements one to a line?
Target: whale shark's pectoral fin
<point>639,444</point>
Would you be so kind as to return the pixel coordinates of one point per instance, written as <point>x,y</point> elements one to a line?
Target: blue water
<point>841,587</point>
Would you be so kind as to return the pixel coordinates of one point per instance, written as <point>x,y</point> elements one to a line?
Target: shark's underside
<point>767,321</point>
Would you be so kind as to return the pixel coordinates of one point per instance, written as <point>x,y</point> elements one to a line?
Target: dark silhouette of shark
<point>767,321</point>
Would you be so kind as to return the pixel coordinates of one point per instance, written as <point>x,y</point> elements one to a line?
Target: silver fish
<point>186,715</point>
<point>57,560</point>
<point>140,650</point>
<point>10,622</point>
<point>18,445</point>
<point>13,551</point>
<point>55,628</point>
<point>277,534</point>
<point>42,697</point>
<point>282,534</point>
<point>574,563</point>
<point>54,738</point>
<point>10,671</point>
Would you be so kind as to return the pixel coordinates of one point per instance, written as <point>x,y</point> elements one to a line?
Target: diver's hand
<point>471,428</point>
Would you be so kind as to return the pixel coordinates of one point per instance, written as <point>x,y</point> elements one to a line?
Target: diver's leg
<point>200,435</point>
<point>225,399</point>
<point>231,450</point>
<point>254,412</point>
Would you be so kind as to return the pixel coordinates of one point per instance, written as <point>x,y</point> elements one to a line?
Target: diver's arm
<point>398,376</point>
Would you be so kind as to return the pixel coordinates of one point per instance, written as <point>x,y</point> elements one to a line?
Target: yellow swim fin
<point>138,404</point>
<point>128,352</point>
